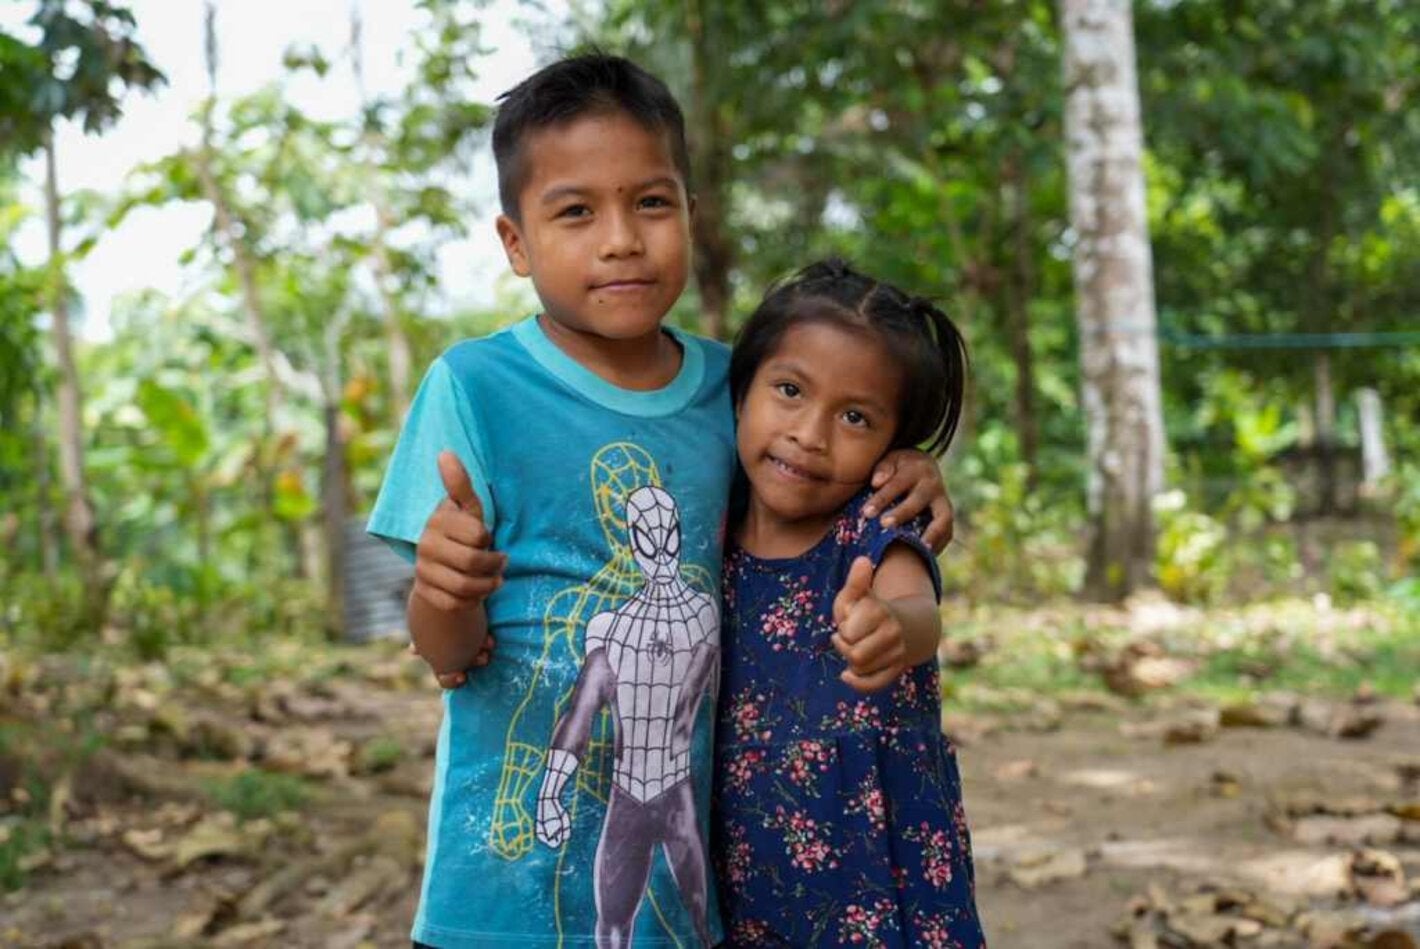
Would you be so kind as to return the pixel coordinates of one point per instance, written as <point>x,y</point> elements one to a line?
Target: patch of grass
<point>255,793</point>
<point>19,838</point>
<point>381,753</point>
<point>1389,665</point>
<point>1291,645</point>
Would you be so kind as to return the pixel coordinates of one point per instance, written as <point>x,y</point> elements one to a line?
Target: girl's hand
<point>909,482</point>
<point>870,635</point>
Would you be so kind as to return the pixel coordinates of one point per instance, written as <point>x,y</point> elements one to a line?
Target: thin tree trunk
<point>1113,270</point>
<point>374,143</point>
<point>1019,285</point>
<point>246,276</point>
<point>333,480</point>
<point>228,234</point>
<point>1325,431</point>
<point>710,144</point>
<point>44,514</point>
<point>79,518</point>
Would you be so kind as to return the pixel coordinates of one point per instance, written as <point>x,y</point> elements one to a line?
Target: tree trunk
<point>333,480</point>
<point>1019,286</point>
<point>1325,432</point>
<point>1113,271</point>
<point>44,514</point>
<point>374,143</point>
<point>228,234</point>
<point>710,158</point>
<point>79,519</point>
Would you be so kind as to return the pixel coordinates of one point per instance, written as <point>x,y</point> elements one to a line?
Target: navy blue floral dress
<point>837,816</point>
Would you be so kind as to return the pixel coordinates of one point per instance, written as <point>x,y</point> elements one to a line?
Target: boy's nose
<point>621,237</point>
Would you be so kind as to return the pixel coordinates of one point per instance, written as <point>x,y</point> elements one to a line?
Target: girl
<point>838,804</point>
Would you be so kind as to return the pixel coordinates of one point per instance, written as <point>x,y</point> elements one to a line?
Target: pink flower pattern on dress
<point>869,802</point>
<point>865,925</point>
<point>805,842</point>
<point>936,853</point>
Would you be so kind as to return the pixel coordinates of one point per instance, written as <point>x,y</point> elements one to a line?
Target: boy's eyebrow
<point>561,192</point>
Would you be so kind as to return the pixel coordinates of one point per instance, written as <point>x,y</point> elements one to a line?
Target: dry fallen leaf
<point>1042,865</point>
<point>1379,877</point>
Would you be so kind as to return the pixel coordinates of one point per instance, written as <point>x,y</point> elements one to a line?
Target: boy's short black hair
<point>568,89</point>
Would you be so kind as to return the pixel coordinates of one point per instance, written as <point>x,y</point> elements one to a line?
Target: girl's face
<point>818,414</point>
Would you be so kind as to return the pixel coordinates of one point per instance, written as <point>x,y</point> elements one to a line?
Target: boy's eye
<point>655,201</point>
<point>787,389</point>
<point>574,211</point>
<point>854,417</point>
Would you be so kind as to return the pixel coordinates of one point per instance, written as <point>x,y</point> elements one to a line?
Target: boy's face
<point>605,229</point>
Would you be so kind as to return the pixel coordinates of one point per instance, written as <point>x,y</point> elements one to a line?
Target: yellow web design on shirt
<point>617,470</point>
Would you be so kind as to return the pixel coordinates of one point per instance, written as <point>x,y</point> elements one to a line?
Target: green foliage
<point>20,837</point>
<point>380,753</point>
<point>1015,544</point>
<point>50,614</point>
<point>254,793</point>
<point>1356,571</point>
<point>923,140</point>
<point>1192,551</point>
<point>86,56</point>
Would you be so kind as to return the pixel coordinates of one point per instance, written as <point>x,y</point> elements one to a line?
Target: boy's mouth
<point>619,286</point>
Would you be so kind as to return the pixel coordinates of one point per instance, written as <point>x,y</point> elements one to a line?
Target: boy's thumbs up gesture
<point>870,634</point>
<point>454,569</point>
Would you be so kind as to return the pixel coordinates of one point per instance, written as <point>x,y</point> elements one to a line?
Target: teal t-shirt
<point>573,772</point>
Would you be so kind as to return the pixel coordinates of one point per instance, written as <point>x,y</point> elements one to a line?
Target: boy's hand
<point>454,569</point>
<point>870,635</point>
<point>453,680</point>
<point>912,479</point>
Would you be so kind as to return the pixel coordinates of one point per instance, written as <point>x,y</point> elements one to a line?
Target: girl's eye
<point>787,389</point>
<point>854,417</point>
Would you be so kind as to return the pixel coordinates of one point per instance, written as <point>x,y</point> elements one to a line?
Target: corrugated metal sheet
<point>377,582</point>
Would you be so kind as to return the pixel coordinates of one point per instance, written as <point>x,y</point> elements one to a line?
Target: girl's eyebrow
<point>784,364</point>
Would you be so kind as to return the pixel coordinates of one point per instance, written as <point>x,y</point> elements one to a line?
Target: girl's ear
<point>512,237</point>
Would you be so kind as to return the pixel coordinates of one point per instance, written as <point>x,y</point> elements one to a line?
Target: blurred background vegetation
<point>184,480</point>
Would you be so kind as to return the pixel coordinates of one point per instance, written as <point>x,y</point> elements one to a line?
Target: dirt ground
<point>1074,816</point>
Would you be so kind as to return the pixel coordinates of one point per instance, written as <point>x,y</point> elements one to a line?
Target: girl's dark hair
<point>922,340</point>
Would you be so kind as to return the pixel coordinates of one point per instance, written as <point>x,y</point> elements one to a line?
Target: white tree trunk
<point>1113,268</point>
<point>79,519</point>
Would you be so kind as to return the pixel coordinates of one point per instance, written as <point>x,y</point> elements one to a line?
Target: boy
<point>576,466</point>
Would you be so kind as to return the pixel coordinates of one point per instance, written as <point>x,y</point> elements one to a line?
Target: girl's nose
<point>809,432</point>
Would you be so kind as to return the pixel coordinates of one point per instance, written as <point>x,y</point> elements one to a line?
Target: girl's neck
<point>767,535</point>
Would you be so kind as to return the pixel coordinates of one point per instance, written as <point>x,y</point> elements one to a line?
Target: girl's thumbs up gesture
<point>870,633</point>
<point>454,569</point>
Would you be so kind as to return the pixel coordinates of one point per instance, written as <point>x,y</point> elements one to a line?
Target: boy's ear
<point>512,238</point>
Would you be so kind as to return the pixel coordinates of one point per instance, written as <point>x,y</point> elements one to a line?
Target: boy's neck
<point>768,536</point>
<point>644,363</point>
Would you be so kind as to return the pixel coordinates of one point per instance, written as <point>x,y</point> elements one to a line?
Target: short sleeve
<point>877,539</point>
<point>440,418</point>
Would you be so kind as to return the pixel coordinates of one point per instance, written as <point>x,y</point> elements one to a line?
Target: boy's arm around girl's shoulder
<point>455,570</point>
